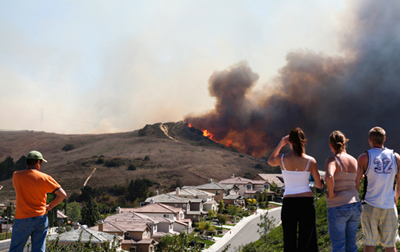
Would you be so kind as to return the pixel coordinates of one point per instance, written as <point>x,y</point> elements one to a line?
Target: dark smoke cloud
<point>319,93</point>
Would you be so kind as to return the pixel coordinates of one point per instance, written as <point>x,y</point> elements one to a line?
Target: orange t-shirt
<point>31,187</point>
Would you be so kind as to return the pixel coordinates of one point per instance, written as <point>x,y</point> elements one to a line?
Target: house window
<point>217,193</point>
<point>166,215</point>
<point>127,234</point>
<point>248,187</point>
<point>266,186</point>
<point>184,205</point>
<point>132,249</point>
<point>176,205</point>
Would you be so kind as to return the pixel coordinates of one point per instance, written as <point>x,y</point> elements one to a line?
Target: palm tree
<point>206,226</point>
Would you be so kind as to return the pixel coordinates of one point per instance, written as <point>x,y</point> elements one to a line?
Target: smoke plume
<point>352,92</point>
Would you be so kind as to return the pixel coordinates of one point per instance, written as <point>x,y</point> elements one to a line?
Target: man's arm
<point>362,167</point>
<point>60,196</point>
<point>397,188</point>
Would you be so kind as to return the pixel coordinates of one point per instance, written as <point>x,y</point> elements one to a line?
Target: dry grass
<point>192,159</point>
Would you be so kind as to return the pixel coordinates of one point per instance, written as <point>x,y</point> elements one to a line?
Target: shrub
<point>115,162</point>
<point>68,228</point>
<point>258,166</point>
<point>147,158</point>
<point>68,147</point>
<point>100,160</point>
<point>131,167</point>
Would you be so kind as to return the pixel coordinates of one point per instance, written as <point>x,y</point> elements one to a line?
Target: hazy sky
<point>112,66</point>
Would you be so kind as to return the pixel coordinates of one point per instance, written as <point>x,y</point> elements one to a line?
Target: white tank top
<point>296,181</point>
<point>380,174</point>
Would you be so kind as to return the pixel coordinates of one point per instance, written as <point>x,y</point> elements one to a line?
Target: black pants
<point>299,227</point>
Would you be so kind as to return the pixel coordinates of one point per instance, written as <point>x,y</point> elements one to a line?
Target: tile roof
<point>232,197</point>
<point>142,241</point>
<point>167,198</point>
<point>236,181</point>
<point>156,208</point>
<point>191,192</point>
<point>61,215</point>
<point>215,186</point>
<point>277,178</point>
<point>86,235</point>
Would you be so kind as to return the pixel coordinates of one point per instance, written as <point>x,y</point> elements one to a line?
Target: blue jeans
<point>343,224</point>
<point>35,227</point>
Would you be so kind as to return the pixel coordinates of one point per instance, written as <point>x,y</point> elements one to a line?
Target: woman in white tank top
<point>298,210</point>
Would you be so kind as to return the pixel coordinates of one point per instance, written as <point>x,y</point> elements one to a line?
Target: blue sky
<point>112,66</point>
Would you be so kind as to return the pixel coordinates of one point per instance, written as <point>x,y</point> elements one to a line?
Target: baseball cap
<point>36,155</point>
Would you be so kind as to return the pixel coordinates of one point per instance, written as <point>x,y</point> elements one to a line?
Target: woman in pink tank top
<point>298,210</point>
<point>344,207</point>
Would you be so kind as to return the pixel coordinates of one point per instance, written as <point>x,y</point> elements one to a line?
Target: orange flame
<point>208,134</point>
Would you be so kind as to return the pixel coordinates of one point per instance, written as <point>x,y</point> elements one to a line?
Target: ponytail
<point>298,140</point>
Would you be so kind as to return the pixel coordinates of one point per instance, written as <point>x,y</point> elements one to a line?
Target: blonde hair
<point>338,141</point>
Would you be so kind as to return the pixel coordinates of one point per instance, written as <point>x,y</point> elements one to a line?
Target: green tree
<point>52,214</point>
<point>21,163</point>
<point>265,225</point>
<point>137,190</point>
<point>90,213</point>
<point>206,226</point>
<point>232,210</point>
<point>222,219</point>
<point>73,211</point>
<point>7,168</point>
<point>221,206</point>
<point>274,187</point>
<point>211,214</point>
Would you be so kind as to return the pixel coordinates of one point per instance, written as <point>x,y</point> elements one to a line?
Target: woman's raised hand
<point>284,140</point>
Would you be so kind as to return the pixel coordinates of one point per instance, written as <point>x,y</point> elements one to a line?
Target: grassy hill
<point>168,153</point>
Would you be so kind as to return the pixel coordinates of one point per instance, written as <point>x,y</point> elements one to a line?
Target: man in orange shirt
<point>31,187</point>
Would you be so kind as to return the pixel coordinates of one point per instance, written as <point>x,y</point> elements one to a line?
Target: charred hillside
<point>167,153</point>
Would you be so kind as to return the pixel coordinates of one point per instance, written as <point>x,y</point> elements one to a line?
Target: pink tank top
<point>345,186</point>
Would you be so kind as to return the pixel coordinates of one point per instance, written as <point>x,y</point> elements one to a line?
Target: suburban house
<point>86,235</point>
<point>61,217</point>
<point>193,208</point>
<point>176,215</point>
<point>220,190</point>
<point>136,235</point>
<point>248,187</point>
<point>277,178</point>
<point>194,193</point>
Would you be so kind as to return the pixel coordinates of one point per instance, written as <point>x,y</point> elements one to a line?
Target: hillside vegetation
<point>169,154</point>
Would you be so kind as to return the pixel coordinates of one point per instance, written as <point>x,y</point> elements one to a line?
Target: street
<point>4,245</point>
<point>248,233</point>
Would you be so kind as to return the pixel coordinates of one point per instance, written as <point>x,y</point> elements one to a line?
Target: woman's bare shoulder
<point>312,159</point>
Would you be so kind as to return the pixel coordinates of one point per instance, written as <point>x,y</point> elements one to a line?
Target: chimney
<point>233,175</point>
<point>210,181</point>
<point>177,191</point>
<point>118,210</point>
<point>151,201</point>
<point>156,192</point>
<point>101,226</point>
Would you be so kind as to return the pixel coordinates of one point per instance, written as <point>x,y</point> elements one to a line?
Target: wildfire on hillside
<point>351,91</point>
<point>209,135</point>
